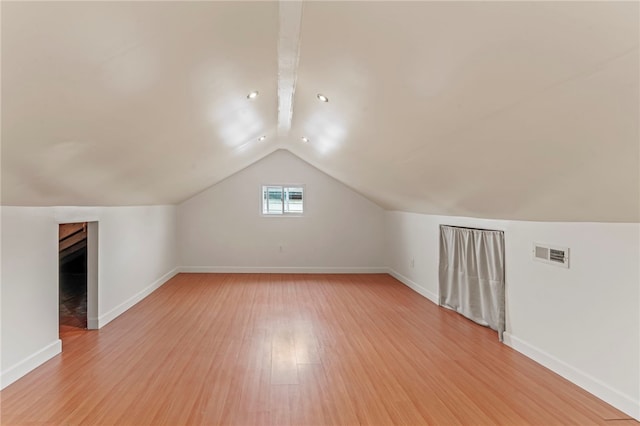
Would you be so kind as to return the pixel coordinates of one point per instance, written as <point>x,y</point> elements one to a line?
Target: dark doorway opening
<point>73,275</point>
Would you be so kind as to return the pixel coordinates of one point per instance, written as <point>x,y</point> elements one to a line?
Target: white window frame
<point>283,213</point>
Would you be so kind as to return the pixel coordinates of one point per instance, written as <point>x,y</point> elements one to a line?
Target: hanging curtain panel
<point>472,274</point>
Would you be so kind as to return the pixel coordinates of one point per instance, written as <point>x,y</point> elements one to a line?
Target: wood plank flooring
<point>243,349</point>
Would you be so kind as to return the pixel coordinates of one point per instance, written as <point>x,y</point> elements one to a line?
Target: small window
<point>282,200</point>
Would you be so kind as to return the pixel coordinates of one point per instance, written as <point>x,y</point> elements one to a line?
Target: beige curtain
<point>472,274</point>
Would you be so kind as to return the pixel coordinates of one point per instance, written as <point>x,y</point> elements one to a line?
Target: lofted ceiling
<point>508,110</point>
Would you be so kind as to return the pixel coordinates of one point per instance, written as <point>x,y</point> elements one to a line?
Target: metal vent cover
<point>551,254</point>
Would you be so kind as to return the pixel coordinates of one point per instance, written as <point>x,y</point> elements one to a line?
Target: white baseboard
<point>622,402</point>
<point>121,308</point>
<point>414,286</point>
<point>30,363</point>
<point>93,323</point>
<point>282,270</point>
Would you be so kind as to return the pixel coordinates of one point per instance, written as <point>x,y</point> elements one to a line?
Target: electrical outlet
<point>280,249</point>
<point>412,263</point>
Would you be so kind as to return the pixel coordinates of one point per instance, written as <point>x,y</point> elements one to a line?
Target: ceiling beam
<point>288,54</point>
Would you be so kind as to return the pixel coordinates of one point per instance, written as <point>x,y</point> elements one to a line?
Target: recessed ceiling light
<point>305,139</point>
<point>322,97</point>
<point>261,138</point>
<point>252,95</point>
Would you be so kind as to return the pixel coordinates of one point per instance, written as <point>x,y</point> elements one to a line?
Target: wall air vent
<point>551,254</point>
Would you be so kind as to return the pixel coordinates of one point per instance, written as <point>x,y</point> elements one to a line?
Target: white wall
<point>29,291</point>
<point>221,229</point>
<point>136,254</point>
<point>582,322</point>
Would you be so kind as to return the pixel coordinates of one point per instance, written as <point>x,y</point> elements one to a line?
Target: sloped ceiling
<point>510,110</point>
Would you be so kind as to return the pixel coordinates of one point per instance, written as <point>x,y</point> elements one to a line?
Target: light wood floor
<point>294,349</point>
